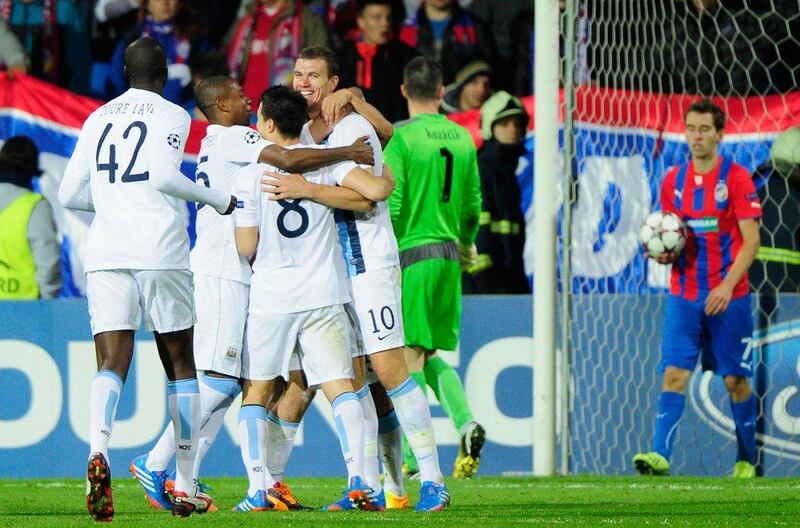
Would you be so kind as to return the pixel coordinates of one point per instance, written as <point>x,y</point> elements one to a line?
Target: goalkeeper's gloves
<point>468,255</point>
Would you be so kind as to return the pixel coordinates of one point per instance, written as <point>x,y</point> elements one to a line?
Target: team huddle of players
<point>291,293</point>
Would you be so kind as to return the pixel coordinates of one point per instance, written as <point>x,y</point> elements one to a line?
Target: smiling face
<point>312,81</point>
<point>375,22</point>
<point>701,134</point>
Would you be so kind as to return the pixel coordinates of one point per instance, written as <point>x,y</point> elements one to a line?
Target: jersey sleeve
<point>743,196</point>
<point>471,200</point>
<point>248,197</point>
<point>74,191</point>
<point>243,145</point>
<point>349,130</point>
<point>165,161</point>
<point>667,196</point>
<point>170,140</point>
<point>394,158</point>
<point>339,171</point>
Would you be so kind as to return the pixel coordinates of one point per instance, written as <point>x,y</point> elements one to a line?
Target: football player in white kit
<point>221,276</point>
<point>296,300</point>
<point>371,258</point>
<point>125,167</point>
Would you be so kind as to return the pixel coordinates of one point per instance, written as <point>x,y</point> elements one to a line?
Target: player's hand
<point>667,258</point>
<point>285,186</point>
<point>361,152</point>
<point>468,256</point>
<point>718,299</point>
<point>333,106</point>
<point>231,206</point>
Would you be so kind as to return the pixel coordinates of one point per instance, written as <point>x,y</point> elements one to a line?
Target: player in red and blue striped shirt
<point>708,311</point>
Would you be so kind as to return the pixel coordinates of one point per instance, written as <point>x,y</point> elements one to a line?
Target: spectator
<point>12,56</point>
<point>266,41</point>
<point>340,17</point>
<point>55,36</point>
<point>472,87</point>
<point>375,61</point>
<point>449,34</point>
<point>29,248</point>
<point>501,235</point>
<point>506,21</point>
<point>204,65</point>
<point>171,23</point>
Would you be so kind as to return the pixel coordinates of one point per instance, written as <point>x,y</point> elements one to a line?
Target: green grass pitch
<point>484,501</point>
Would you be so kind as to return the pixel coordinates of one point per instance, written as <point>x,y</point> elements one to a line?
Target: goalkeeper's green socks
<point>409,461</point>
<point>449,390</point>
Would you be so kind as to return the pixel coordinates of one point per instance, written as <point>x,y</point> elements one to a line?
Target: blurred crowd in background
<point>486,49</point>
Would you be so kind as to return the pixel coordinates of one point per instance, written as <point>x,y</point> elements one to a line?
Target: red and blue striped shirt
<point>711,205</point>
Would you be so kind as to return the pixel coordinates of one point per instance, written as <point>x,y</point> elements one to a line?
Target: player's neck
<point>423,107</point>
<point>283,141</point>
<point>706,163</point>
<point>155,87</point>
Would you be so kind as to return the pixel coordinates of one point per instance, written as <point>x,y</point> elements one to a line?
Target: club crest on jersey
<point>721,193</point>
<point>251,137</point>
<point>174,141</point>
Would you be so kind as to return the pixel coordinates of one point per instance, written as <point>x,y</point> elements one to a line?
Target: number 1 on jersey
<point>448,173</point>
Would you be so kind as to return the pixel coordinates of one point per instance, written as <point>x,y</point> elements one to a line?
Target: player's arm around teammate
<point>341,102</point>
<point>360,181</point>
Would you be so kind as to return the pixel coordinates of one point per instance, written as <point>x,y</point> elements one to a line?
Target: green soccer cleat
<point>651,464</point>
<point>744,470</point>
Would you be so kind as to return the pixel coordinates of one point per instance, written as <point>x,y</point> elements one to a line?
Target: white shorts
<point>221,314</point>
<point>119,298</point>
<point>321,336</point>
<point>377,310</point>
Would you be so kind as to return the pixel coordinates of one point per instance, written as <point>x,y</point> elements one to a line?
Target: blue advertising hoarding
<point>47,362</point>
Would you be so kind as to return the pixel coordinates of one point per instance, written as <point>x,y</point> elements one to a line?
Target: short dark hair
<point>324,54</point>
<point>363,4</point>
<point>286,107</point>
<point>706,106</point>
<point>211,90</point>
<point>422,78</point>
<point>145,61</point>
<point>19,161</point>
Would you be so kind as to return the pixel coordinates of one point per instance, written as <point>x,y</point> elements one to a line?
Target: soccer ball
<point>662,233</point>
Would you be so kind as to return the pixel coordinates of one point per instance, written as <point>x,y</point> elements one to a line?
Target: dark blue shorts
<point>724,340</point>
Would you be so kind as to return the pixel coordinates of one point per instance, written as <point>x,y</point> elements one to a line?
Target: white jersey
<point>298,264</point>
<point>135,225</point>
<point>223,151</point>
<point>367,239</point>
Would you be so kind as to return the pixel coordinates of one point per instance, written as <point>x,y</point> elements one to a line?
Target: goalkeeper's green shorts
<point>432,303</point>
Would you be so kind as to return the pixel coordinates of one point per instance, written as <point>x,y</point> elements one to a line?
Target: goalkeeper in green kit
<point>435,210</point>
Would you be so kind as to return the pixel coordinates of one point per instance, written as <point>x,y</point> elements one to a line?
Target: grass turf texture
<point>484,501</point>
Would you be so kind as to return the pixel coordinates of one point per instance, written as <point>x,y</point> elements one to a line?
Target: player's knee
<point>675,379</point>
<point>383,404</point>
<point>294,403</point>
<point>737,386</point>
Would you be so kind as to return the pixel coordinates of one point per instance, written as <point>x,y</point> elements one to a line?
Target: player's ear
<point>334,82</point>
<point>440,94</point>
<point>403,91</point>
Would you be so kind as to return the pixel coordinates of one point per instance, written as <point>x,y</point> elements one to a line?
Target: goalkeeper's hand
<point>468,255</point>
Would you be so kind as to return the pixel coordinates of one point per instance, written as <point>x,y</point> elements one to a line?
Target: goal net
<point>636,66</point>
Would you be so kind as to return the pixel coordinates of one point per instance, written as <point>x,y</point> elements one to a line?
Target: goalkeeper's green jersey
<point>438,193</point>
